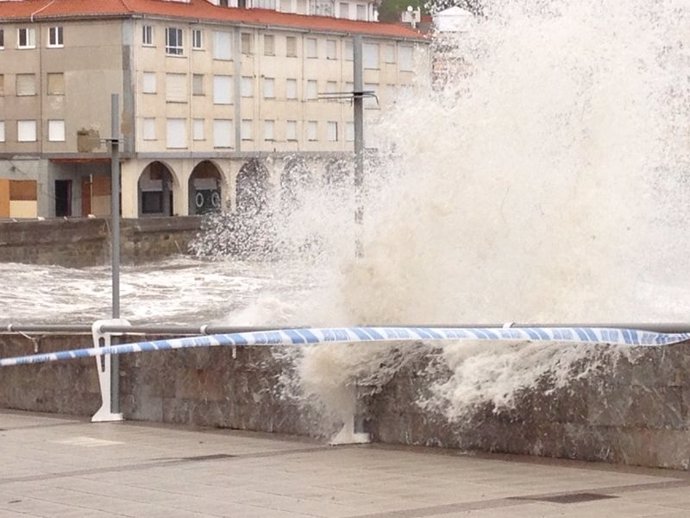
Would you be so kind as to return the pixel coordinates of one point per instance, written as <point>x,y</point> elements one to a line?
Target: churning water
<point>545,181</point>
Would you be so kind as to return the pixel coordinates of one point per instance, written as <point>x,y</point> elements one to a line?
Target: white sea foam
<point>544,183</point>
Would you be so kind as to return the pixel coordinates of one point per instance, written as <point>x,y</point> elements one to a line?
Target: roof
<point>201,10</point>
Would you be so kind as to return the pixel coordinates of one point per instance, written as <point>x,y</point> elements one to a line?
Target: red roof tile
<point>195,10</point>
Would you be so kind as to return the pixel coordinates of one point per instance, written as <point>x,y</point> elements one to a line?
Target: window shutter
<point>176,87</point>
<point>222,89</point>
<point>222,48</point>
<point>371,55</point>
<point>26,84</point>
<point>176,133</point>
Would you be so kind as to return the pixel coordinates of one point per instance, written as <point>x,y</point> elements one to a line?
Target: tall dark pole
<point>359,140</point>
<point>115,240</point>
<point>115,200</point>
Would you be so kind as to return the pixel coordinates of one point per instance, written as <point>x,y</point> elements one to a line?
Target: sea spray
<point>543,182</point>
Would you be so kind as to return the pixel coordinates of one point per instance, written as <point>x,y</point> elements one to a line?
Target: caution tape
<point>312,336</point>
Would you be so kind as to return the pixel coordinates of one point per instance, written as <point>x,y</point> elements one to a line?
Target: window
<point>344,10</point>
<point>311,47</point>
<point>247,87</point>
<point>390,54</point>
<point>26,131</point>
<point>349,50</point>
<point>291,46</point>
<point>269,45</point>
<point>370,58</point>
<point>312,130</point>
<point>147,35</point>
<point>331,49</point>
<point>222,89</point>
<point>2,39</point>
<point>269,88</point>
<point>291,130</point>
<point>2,131</point>
<point>361,12</point>
<point>331,87</point>
<point>149,128</point>
<point>197,84</point>
<point>197,39</point>
<point>56,83</point>
<point>56,131</point>
<point>148,84</point>
<point>2,84</point>
<point>26,38</point>
<point>312,89</point>
<point>269,127</point>
<point>265,4</point>
<point>198,129</point>
<point>174,44</point>
<point>26,84</point>
<point>291,89</point>
<point>246,129</point>
<point>151,202</point>
<point>176,88</point>
<point>332,131</point>
<point>222,45</point>
<point>176,134</point>
<point>405,58</point>
<point>246,43</point>
<point>350,132</point>
<point>55,37</point>
<point>370,102</point>
<point>222,133</point>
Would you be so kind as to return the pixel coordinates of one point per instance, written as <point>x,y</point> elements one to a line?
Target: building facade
<point>218,105</point>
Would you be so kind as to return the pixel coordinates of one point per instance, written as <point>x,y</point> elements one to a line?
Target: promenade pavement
<point>68,467</point>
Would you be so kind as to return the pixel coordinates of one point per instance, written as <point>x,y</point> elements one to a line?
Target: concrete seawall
<point>634,411</point>
<point>86,242</point>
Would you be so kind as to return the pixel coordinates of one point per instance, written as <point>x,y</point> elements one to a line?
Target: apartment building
<point>218,104</point>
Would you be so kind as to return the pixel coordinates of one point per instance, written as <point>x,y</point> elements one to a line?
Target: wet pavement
<point>64,466</point>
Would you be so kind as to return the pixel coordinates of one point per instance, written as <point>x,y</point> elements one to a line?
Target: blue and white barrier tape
<point>370,334</point>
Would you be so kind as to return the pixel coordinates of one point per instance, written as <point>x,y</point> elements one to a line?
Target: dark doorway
<point>63,198</point>
<point>156,191</point>
<point>252,188</point>
<point>205,189</point>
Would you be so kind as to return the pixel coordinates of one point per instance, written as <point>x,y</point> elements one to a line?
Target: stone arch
<point>205,188</point>
<point>251,188</point>
<point>156,187</point>
<point>338,173</point>
<point>295,178</point>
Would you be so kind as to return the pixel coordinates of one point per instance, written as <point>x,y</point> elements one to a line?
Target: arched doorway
<point>156,190</point>
<point>338,174</point>
<point>293,181</point>
<point>205,194</point>
<point>252,188</point>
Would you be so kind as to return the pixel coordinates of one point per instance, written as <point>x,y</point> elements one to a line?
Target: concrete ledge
<point>80,242</point>
<point>634,411</point>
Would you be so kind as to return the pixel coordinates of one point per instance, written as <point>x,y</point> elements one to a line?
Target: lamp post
<point>358,104</point>
<point>115,240</point>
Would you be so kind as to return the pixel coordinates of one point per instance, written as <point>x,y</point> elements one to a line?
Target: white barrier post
<point>104,367</point>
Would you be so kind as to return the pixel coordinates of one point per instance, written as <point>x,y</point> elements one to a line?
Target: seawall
<point>635,410</point>
<point>80,242</point>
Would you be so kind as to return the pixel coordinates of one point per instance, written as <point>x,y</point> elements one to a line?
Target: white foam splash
<point>545,183</point>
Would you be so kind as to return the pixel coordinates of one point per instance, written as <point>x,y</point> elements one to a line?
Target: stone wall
<point>635,410</point>
<point>215,387</point>
<point>86,242</point>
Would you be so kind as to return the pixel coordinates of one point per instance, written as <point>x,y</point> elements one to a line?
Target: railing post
<point>104,365</point>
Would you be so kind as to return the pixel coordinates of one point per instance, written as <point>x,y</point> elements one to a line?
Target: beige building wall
<point>72,83</point>
<point>172,110</point>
